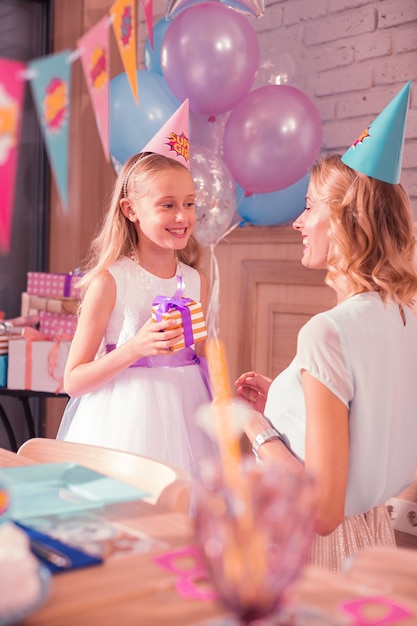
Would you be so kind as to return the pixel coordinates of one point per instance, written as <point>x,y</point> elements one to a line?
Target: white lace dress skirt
<point>150,411</point>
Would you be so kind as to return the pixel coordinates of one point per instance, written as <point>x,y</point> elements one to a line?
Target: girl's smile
<point>164,213</point>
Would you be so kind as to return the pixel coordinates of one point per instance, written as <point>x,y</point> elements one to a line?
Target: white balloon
<point>215,194</point>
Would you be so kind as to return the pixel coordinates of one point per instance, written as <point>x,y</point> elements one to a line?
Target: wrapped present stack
<point>56,297</point>
<point>37,356</point>
<point>4,352</point>
<point>9,328</point>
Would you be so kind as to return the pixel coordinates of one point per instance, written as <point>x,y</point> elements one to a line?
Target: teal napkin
<point>58,488</point>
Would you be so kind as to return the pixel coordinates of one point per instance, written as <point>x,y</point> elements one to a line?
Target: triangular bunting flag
<point>12,88</point>
<point>148,9</point>
<point>94,48</point>
<point>123,13</point>
<point>51,85</point>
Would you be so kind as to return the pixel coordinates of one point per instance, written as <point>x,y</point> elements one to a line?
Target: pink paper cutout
<point>189,576</point>
<point>395,612</point>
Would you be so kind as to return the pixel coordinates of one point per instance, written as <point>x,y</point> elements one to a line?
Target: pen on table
<point>52,555</point>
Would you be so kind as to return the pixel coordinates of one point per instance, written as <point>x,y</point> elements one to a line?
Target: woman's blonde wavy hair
<point>371,231</point>
<point>117,235</point>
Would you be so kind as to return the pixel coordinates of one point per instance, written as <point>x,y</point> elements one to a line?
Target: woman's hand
<point>158,337</point>
<point>253,388</point>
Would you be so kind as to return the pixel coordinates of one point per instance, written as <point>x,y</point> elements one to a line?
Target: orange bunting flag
<point>95,55</point>
<point>123,13</point>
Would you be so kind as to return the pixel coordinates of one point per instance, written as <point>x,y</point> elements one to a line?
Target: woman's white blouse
<point>364,354</point>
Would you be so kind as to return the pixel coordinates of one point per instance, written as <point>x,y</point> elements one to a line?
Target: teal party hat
<point>378,152</point>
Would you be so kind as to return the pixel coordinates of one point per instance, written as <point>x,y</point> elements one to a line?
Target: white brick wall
<point>351,58</point>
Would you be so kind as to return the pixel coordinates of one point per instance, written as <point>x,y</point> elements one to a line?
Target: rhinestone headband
<point>126,180</point>
<point>130,170</point>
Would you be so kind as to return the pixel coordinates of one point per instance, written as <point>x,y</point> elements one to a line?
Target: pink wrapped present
<point>36,363</point>
<point>57,324</point>
<point>53,285</point>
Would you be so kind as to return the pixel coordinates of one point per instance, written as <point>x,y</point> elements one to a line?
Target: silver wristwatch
<point>263,437</point>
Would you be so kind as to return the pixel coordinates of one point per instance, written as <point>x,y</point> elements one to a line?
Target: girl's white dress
<point>149,409</point>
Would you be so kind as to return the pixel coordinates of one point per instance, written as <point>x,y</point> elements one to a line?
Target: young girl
<point>133,392</point>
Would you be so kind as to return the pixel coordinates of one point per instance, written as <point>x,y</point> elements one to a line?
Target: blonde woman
<point>345,408</point>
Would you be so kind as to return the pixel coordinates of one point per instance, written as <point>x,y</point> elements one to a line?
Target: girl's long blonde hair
<point>371,230</point>
<point>117,235</point>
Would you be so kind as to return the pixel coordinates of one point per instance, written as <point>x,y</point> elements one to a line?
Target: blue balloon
<point>277,207</point>
<point>133,125</point>
<point>152,58</point>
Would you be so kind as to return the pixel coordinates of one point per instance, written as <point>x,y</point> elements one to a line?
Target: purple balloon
<point>271,139</point>
<point>210,55</point>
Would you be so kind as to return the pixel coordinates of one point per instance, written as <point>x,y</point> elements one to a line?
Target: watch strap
<point>263,437</point>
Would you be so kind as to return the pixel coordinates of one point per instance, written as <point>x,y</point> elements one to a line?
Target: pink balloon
<point>210,55</point>
<point>271,139</point>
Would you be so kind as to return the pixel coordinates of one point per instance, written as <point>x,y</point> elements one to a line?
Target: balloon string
<point>216,131</point>
<point>239,200</point>
<point>212,321</point>
<point>213,305</point>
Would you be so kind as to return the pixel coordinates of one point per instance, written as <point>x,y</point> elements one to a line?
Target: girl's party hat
<point>378,151</point>
<point>172,140</point>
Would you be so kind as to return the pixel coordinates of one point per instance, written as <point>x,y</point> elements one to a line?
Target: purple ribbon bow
<point>164,304</point>
<point>68,280</point>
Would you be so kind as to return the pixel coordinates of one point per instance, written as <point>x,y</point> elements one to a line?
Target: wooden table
<point>136,591</point>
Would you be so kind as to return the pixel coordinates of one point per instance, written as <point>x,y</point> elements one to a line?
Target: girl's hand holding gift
<point>158,337</point>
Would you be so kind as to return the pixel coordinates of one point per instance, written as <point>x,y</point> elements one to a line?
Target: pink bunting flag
<point>148,9</point>
<point>12,87</point>
<point>95,54</point>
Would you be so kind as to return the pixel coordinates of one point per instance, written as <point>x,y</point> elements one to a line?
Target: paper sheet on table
<point>52,488</point>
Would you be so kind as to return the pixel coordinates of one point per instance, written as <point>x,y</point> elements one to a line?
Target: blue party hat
<point>378,152</point>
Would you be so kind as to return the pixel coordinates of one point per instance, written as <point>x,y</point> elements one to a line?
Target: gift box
<point>185,312</point>
<point>3,370</point>
<point>53,285</point>
<point>32,304</point>
<point>4,344</point>
<point>37,364</point>
<point>57,325</point>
